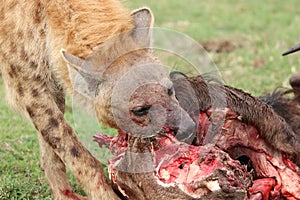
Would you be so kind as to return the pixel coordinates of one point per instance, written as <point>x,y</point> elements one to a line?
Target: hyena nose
<point>180,120</point>
<point>186,131</point>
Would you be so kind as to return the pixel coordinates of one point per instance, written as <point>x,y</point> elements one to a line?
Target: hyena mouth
<point>236,163</point>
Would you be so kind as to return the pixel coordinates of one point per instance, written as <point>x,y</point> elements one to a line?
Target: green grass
<point>262,30</point>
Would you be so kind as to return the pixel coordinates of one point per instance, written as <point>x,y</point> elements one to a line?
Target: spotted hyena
<point>42,43</point>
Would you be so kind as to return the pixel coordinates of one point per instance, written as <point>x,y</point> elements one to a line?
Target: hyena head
<point>128,87</point>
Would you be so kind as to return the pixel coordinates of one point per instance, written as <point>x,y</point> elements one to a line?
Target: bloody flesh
<point>275,175</point>
<point>211,164</point>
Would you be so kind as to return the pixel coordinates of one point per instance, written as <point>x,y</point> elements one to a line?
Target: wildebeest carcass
<point>244,147</point>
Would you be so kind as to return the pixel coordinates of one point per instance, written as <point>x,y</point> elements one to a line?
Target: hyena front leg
<point>54,168</point>
<point>55,172</point>
<point>57,133</point>
<point>58,140</point>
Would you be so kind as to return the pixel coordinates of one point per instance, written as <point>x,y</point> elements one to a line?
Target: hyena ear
<point>144,21</point>
<point>84,76</point>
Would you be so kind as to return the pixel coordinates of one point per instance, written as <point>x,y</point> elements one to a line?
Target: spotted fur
<point>36,77</point>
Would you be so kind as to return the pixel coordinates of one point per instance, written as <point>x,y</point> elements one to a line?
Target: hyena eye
<point>141,110</point>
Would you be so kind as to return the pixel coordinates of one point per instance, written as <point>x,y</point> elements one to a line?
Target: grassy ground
<point>257,32</point>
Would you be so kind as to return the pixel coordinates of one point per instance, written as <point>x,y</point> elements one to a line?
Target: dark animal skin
<point>276,117</point>
<point>288,108</point>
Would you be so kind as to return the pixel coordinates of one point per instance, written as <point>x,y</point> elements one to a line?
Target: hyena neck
<point>80,26</point>
<point>85,24</point>
<point>89,26</point>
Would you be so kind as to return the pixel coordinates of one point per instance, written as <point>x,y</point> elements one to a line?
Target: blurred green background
<point>244,38</point>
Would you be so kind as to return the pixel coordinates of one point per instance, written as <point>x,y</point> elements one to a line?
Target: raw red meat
<point>191,171</point>
<point>275,175</point>
<point>211,168</point>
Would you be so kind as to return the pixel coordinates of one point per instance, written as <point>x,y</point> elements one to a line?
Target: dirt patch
<point>260,62</point>
<point>222,45</point>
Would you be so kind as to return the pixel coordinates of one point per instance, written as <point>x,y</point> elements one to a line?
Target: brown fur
<point>37,73</point>
<point>32,33</point>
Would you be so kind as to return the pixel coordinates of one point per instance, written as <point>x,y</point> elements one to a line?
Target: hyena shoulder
<point>32,34</point>
<point>36,76</point>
